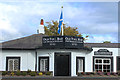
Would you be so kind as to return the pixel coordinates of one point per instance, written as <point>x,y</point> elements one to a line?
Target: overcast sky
<point>99,20</point>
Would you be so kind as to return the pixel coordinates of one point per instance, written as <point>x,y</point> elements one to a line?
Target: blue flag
<point>60,22</point>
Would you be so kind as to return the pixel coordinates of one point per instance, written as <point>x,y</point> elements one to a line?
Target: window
<point>43,63</point>
<point>102,65</point>
<point>80,64</point>
<point>13,63</point>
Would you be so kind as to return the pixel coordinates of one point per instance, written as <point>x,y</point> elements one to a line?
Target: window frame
<point>102,64</point>
<point>7,58</point>
<point>43,57</point>
<point>101,57</point>
<point>83,58</point>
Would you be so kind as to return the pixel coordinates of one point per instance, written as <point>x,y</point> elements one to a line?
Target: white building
<point>29,53</point>
<point>39,52</point>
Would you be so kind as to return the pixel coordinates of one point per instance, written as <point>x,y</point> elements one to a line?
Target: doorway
<point>62,65</point>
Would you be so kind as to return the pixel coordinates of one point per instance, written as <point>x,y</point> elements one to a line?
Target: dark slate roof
<point>29,42</point>
<point>34,41</point>
<point>107,45</point>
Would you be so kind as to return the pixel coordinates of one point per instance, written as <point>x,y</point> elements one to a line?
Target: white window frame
<point>42,66</point>
<point>102,63</point>
<point>12,64</point>
<point>80,61</point>
<point>43,63</point>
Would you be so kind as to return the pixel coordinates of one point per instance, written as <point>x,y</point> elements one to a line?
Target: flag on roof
<point>60,22</point>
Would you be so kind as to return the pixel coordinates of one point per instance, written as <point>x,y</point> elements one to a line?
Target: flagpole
<point>62,24</point>
<point>62,30</point>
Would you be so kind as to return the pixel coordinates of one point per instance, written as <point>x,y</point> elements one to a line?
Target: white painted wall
<point>47,53</point>
<point>50,53</point>
<point>89,59</point>
<point>27,59</point>
<point>115,54</point>
<point>77,53</point>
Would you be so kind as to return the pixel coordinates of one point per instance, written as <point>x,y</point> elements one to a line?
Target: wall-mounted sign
<point>53,41</point>
<point>73,42</point>
<point>102,52</point>
<point>62,42</point>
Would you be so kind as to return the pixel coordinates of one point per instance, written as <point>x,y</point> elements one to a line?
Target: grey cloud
<point>91,18</point>
<point>97,18</point>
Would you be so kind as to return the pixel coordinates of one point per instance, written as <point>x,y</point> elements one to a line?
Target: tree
<point>52,28</point>
<point>106,41</point>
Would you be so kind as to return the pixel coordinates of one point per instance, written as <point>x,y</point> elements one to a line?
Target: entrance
<point>62,66</point>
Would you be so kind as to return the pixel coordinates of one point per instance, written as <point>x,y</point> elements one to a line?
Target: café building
<point>63,55</point>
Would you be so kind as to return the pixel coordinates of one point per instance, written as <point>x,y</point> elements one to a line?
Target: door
<point>118,63</point>
<point>62,64</point>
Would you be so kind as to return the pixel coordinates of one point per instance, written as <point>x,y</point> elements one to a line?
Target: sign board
<point>102,52</point>
<point>73,42</point>
<point>62,42</point>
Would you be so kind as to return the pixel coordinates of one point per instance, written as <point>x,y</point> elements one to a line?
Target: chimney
<point>42,22</point>
<point>41,27</point>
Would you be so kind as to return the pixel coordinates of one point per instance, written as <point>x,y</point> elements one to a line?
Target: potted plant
<point>118,73</point>
<point>100,73</point>
<point>12,73</point>
<point>28,71</point>
<point>33,73</point>
<point>48,73</point>
<point>4,73</point>
<point>82,73</point>
<point>88,73</point>
<point>40,73</point>
<point>94,73</point>
<point>24,73</point>
<point>18,73</point>
<point>78,73</point>
<point>113,73</point>
<point>108,73</point>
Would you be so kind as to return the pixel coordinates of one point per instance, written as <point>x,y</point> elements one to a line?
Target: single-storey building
<point>63,55</point>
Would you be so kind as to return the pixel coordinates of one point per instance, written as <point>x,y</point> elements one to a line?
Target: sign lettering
<point>62,41</point>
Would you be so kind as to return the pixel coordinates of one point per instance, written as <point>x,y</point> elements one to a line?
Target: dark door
<point>118,63</point>
<point>62,64</point>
